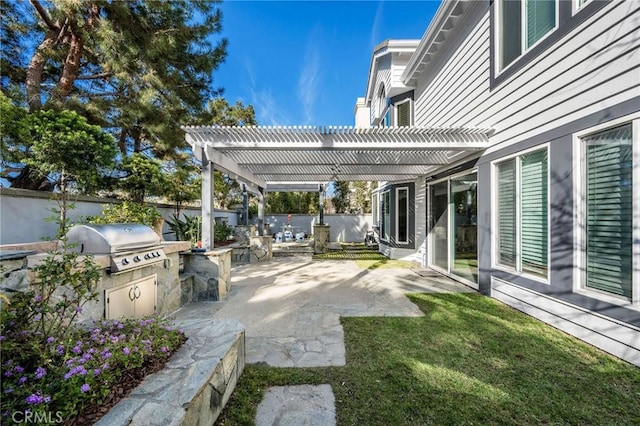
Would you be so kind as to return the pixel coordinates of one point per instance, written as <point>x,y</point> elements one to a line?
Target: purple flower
<point>34,399</point>
<point>60,349</point>
<point>2,338</point>
<point>85,388</point>
<point>75,371</point>
<point>120,326</point>
<point>164,349</point>
<point>126,351</point>
<point>8,373</point>
<point>106,355</point>
<point>96,371</point>
<point>47,399</point>
<point>77,349</point>
<point>51,339</point>
<point>8,390</point>
<point>22,380</point>
<point>37,317</point>
<point>18,369</point>
<point>38,298</point>
<point>40,373</point>
<point>78,309</point>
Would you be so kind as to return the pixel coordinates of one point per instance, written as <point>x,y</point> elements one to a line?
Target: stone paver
<point>297,406</point>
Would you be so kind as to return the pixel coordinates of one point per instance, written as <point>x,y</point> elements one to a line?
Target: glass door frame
<point>451,246</point>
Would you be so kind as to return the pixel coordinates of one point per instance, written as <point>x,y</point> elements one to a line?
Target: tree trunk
<point>35,69</point>
<point>70,69</point>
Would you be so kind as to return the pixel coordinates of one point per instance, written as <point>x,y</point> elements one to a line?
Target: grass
<point>365,259</point>
<point>470,360</point>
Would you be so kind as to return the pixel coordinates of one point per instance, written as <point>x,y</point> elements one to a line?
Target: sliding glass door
<point>453,230</point>
<point>440,225</point>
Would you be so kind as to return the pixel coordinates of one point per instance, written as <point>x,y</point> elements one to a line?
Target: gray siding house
<point>547,218</point>
<point>506,144</point>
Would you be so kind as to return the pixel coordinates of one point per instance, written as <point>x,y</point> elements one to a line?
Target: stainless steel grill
<point>129,245</point>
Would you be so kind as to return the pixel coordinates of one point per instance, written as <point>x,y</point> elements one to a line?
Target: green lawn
<point>470,360</point>
<point>365,259</point>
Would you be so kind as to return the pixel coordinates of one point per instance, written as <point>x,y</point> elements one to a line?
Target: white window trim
<point>494,217</point>
<point>577,6</point>
<point>375,208</point>
<point>397,227</point>
<point>579,214</point>
<point>523,35</point>
<point>395,111</point>
<point>383,229</point>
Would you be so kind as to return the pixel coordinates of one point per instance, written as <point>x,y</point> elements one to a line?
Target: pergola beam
<point>231,167</point>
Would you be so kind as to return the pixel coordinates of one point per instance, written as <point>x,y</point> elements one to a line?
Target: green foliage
<point>221,232</point>
<point>143,177</point>
<point>188,229</point>
<point>68,149</point>
<point>340,199</point>
<point>361,197</point>
<point>292,202</point>
<point>183,182</point>
<point>220,113</point>
<point>128,212</point>
<point>14,128</point>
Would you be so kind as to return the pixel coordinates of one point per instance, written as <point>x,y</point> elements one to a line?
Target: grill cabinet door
<point>134,300</point>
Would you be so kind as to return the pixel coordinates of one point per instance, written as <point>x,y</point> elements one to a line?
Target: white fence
<point>24,213</point>
<point>346,228</point>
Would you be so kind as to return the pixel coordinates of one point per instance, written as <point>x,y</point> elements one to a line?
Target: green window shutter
<point>609,211</point>
<point>404,118</point>
<point>510,31</point>
<point>507,213</point>
<point>534,199</point>
<point>541,18</point>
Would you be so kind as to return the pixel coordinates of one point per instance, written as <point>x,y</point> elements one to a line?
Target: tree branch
<point>94,76</point>
<point>44,15</point>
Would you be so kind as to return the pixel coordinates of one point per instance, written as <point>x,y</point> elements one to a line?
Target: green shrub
<point>129,212</point>
<point>221,232</point>
<point>188,229</point>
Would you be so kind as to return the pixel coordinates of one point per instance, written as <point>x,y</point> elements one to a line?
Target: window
<point>522,213</point>
<point>522,23</point>
<point>403,114</point>
<point>386,215</point>
<point>402,215</point>
<point>608,211</point>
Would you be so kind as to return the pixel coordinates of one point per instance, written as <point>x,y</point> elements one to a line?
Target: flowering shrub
<point>51,365</point>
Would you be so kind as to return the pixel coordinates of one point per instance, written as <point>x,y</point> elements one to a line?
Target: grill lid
<point>112,238</point>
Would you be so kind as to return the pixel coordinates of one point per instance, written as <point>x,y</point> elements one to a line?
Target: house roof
<point>385,48</point>
<point>440,29</point>
<point>278,157</point>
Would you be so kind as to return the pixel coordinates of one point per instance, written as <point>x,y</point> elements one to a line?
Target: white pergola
<point>304,158</point>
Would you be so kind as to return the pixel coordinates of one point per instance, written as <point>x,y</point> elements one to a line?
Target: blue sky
<point>306,62</point>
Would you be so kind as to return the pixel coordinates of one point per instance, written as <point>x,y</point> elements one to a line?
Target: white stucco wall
<point>23,214</point>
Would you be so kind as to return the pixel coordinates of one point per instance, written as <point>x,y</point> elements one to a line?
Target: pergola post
<point>321,200</point>
<point>260,211</point>
<point>207,202</point>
